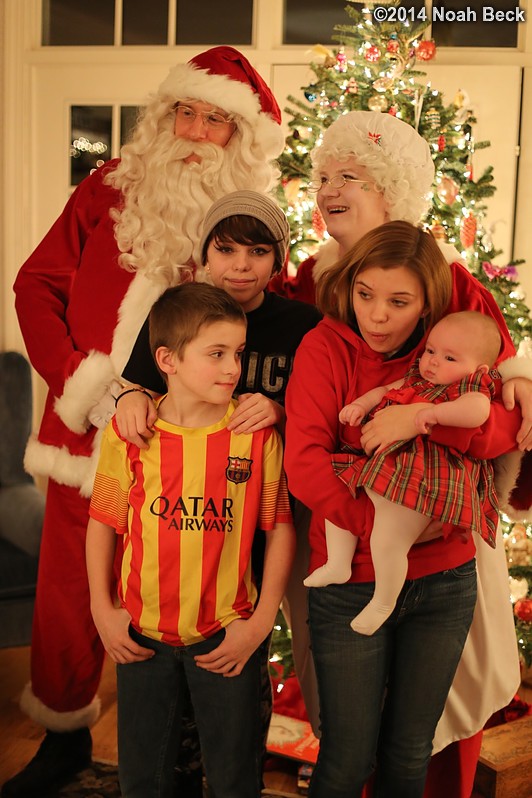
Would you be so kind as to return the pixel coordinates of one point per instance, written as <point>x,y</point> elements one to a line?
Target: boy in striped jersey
<point>187,508</point>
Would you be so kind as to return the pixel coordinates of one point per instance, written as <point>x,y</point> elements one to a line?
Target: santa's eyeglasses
<point>211,119</point>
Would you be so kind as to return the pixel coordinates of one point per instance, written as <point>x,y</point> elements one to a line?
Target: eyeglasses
<point>338,181</point>
<point>211,119</point>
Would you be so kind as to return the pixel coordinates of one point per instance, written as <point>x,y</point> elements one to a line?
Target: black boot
<point>60,756</point>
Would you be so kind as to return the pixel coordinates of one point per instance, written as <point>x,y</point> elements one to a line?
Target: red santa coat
<point>80,314</point>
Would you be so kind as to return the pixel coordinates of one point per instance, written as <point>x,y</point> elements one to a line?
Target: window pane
<point>145,23</point>
<point>213,22</point>
<point>469,29</point>
<point>77,22</point>
<point>128,120</point>
<point>312,21</point>
<point>90,127</point>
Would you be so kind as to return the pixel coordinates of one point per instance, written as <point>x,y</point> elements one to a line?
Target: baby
<point>411,482</point>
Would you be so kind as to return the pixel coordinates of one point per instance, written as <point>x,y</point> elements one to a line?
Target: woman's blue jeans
<point>150,705</point>
<point>381,696</point>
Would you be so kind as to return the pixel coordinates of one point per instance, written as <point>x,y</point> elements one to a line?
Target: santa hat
<point>224,77</point>
<point>395,155</point>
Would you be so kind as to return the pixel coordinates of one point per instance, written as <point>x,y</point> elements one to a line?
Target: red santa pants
<point>66,654</point>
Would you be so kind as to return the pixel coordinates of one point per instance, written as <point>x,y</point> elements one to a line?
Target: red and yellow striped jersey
<point>188,507</point>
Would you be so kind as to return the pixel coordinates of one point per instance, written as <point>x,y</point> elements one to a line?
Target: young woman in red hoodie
<point>371,168</point>
<point>380,696</point>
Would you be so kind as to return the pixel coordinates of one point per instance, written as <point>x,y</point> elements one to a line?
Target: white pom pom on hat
<point>224,77</point>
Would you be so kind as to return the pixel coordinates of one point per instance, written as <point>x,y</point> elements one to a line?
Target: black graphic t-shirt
<point>275,330</point>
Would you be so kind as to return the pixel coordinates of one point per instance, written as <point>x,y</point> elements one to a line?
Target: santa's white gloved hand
<point>101,414</point>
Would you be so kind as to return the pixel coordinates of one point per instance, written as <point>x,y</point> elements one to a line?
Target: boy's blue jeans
<point>150,704</point>
<point>381,696</point>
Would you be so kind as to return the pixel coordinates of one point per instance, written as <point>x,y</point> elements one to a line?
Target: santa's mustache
<point>183,148</point>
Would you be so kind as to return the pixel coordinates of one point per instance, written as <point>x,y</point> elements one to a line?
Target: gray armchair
<point>21,504</point>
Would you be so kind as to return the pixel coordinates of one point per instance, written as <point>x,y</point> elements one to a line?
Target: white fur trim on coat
<point>518,366</point>
<point>142,293</point>
<point>87,386</point>
<point>325,257</point>
<point>75,471</point>
<point>58,721</point>
<point>450,253</point>
<point>83,390</point>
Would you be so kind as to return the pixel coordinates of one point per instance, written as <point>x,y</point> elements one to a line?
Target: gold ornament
<point>433,118</point>
<point>382,84</point>
<point>322,54</point>
<point>447,190</point>
<point>377,103</point>
<point>291,190</point>
<point>438,231</point>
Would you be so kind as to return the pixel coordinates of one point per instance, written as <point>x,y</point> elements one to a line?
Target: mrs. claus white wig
<point>397,158</point>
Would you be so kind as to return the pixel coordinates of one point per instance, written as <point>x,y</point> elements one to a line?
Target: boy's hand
<point>135,416</point>
<point>242,638</point>
<point>254,412</point>
<point>352,414</point>
<point>113,628</point>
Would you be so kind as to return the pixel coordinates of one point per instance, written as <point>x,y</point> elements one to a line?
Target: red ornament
<point>341,61</point>
<point>352,86</point>
<point>393,110</point>
<point>318,223</point>
<point>426,50</point>
<point>392,46</point>
<point>468,231</point>
<point>469,170</point>
<point>523,610</point>
<point>372,54</point>
<point>441,143</point>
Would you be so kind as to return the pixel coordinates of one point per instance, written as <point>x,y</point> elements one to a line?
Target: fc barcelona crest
<point>238,469</point>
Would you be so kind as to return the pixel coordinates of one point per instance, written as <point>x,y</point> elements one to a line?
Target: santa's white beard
<point>163,214</point>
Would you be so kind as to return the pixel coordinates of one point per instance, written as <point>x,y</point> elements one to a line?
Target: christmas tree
<point>374,68</point>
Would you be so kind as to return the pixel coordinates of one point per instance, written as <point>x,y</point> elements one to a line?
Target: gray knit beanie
<point>249,203</point>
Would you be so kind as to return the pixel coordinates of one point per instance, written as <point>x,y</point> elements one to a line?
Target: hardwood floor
<point>20,737</point>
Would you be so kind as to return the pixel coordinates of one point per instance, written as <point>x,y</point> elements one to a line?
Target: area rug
<point>101,781</point>
<point>98,781</point>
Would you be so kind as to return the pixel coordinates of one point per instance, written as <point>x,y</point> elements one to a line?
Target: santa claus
<point>129,230</point>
